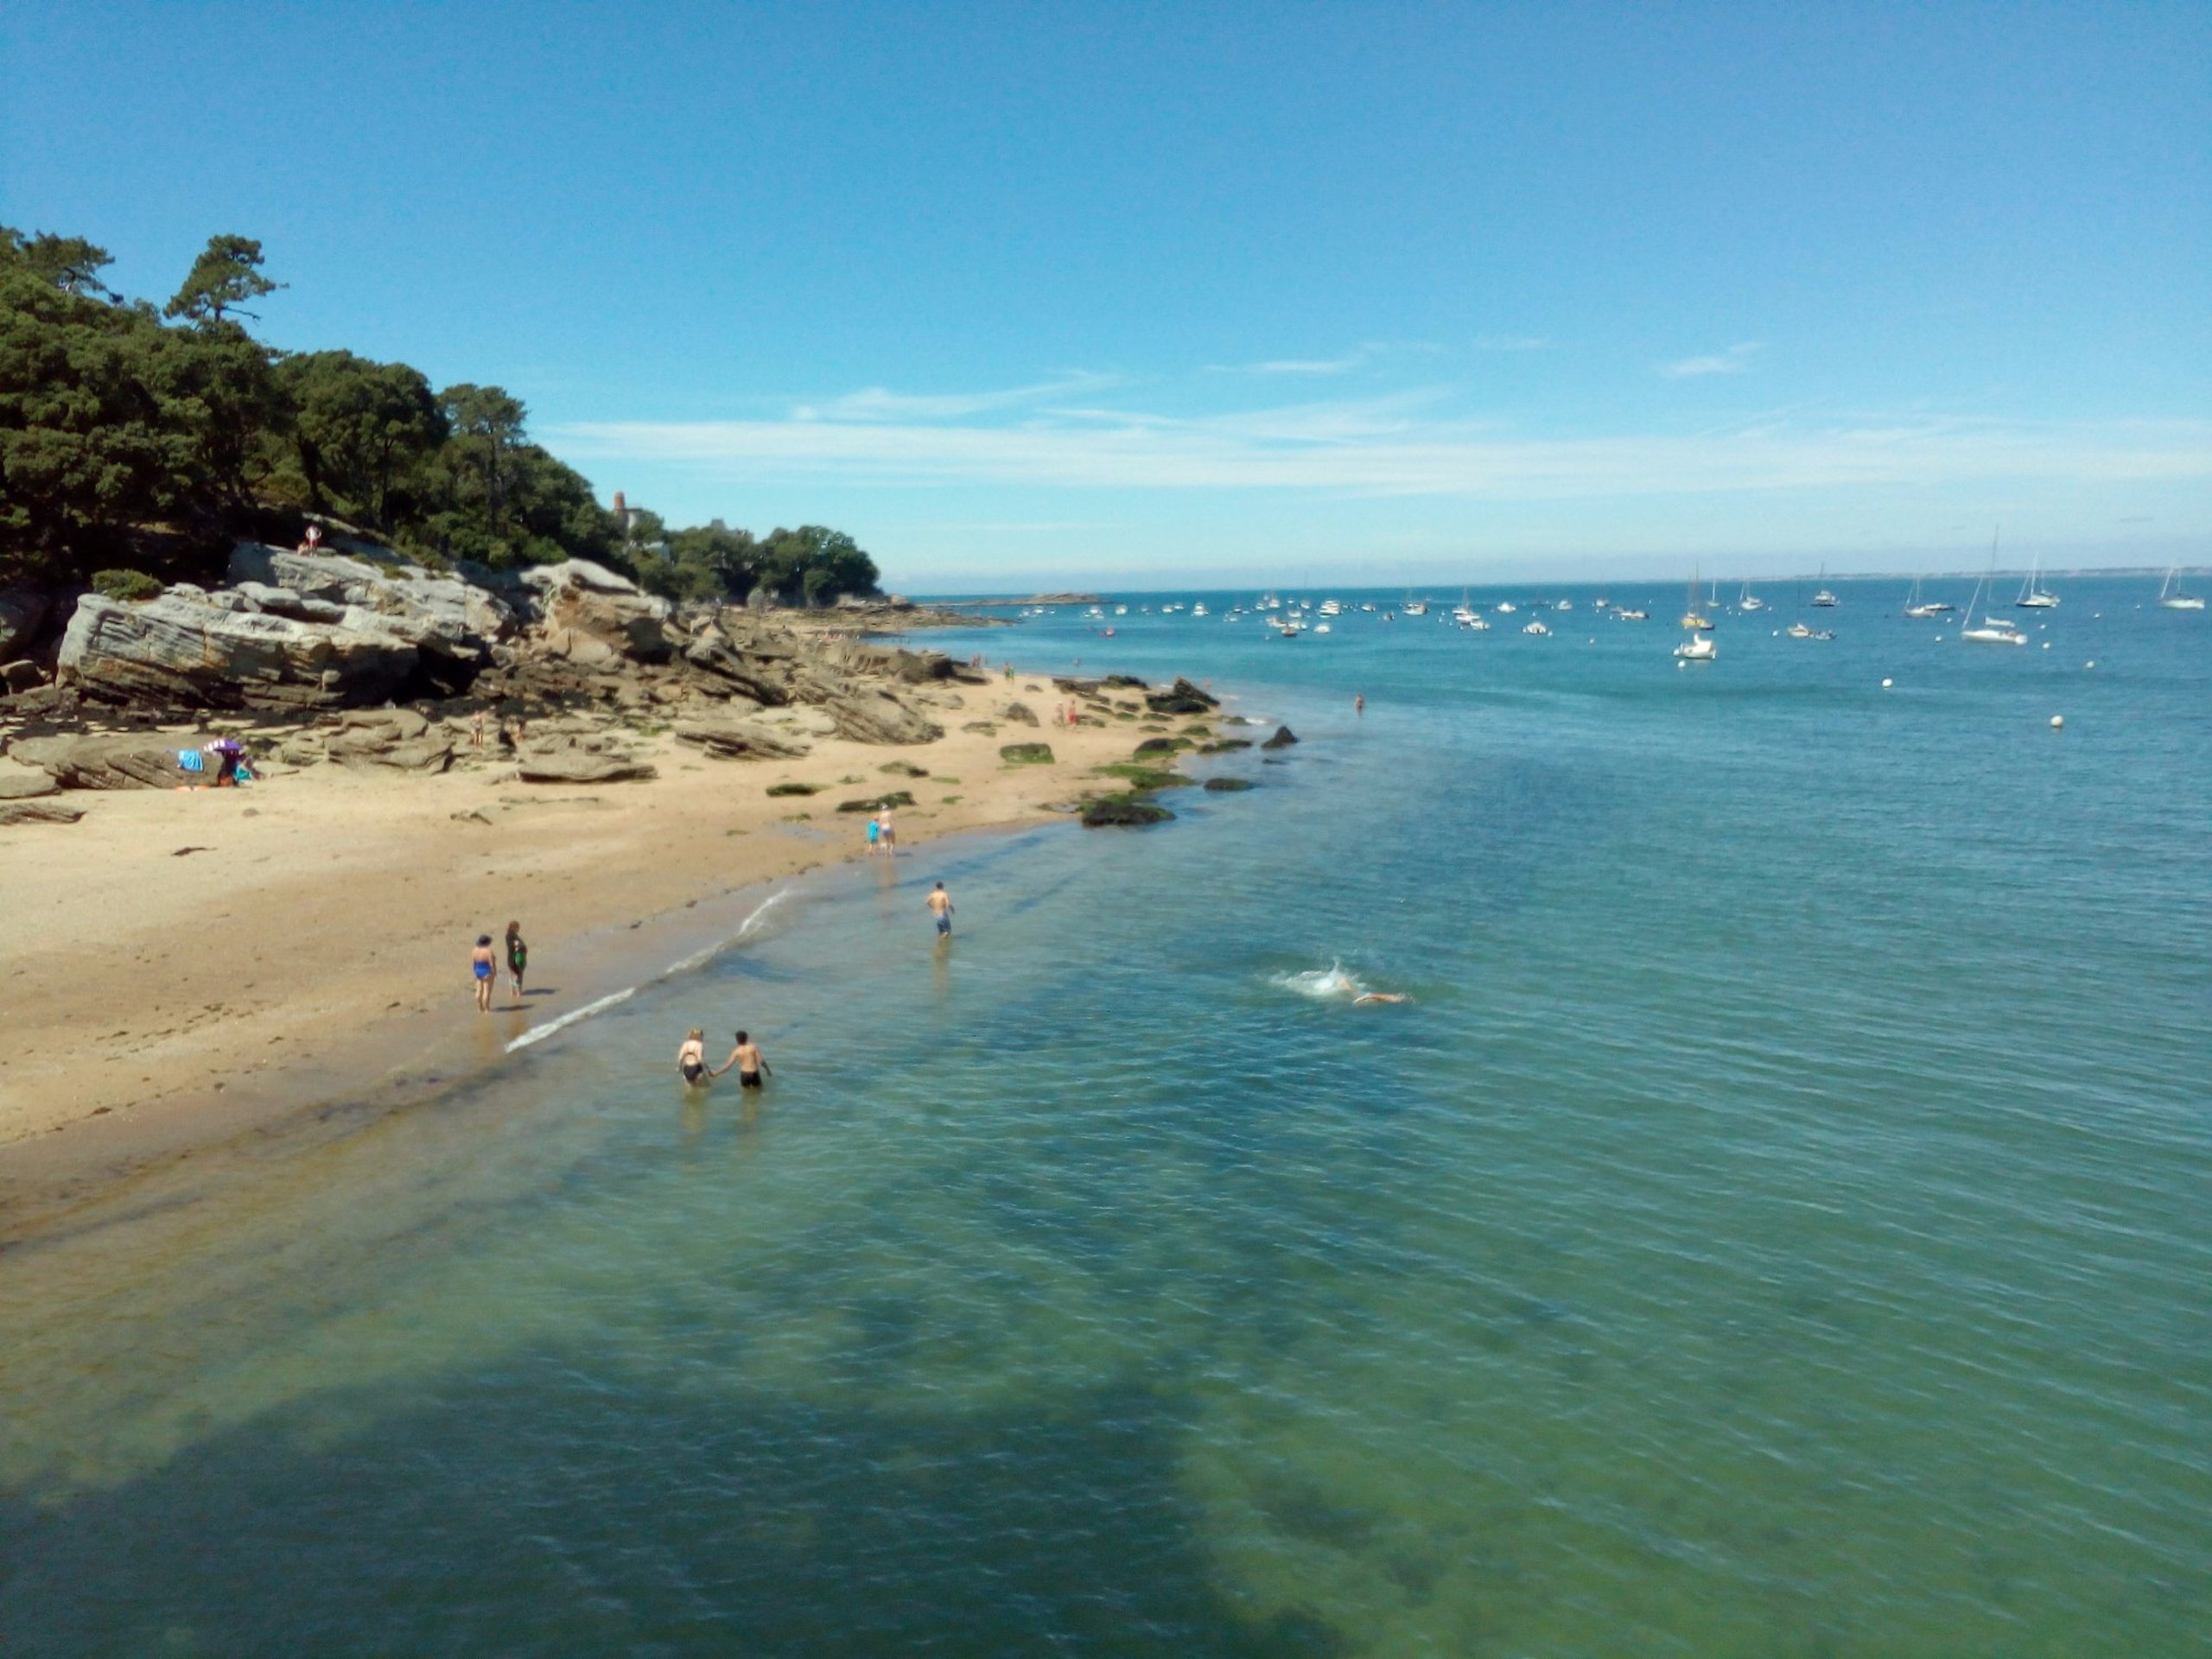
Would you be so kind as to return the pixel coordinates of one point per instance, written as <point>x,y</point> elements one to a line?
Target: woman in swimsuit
<point>518,955</point>
<point>481,965</point>
<point>691,1059</point>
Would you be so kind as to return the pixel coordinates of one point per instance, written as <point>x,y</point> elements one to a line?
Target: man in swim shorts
<point>691,1059</point>
<point>483,966</point>
<point>940,903</point>
<point>746,1057</point>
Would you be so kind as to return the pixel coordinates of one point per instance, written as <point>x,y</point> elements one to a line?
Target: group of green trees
<point>132,435</point>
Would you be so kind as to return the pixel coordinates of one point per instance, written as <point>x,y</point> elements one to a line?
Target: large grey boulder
<point>22,613</point>
<point>742,740</point>
<point>579,597</point>
<point>179,650</point>
<point>103,760</point>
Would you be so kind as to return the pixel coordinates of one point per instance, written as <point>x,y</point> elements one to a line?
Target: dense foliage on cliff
<point>138,436</point>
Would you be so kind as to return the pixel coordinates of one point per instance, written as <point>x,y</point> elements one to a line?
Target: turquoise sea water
<point>1778,1226</point>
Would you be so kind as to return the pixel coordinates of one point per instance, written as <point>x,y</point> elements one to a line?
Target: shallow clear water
<point>1779,1225</point>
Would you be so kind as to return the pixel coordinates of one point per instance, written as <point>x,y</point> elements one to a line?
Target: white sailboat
<point>1698,648</point>
<point>1823,597</point>
<point>1748,600</point>
<point>2033,597</point>
<point>1913,607</point>
<point>2171,597</point>
<point>1693,618</point>
<point>1994,631</point>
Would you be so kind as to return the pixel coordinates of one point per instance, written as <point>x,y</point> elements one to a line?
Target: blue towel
<point>192,759</point>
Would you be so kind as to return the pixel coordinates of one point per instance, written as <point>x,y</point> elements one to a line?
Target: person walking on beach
<point>874,836</point>
<point>940,904</point>
<point>517,955</point>
<point>691,1059</point>
<point>746,1057</point>
<point>482,965</point>
<point>890,836</point>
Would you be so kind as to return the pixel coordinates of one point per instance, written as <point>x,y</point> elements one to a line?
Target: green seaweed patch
<point>948,800</point>
<point>904,769</point>
<point>1135,811</point>
<point>1142,778</point>
<point>1226,746</point>
<point>876,803</point>
<point>1225,785</point>
<point>797,789</point>
<point>1026,754</point>
<point>1164,745</point>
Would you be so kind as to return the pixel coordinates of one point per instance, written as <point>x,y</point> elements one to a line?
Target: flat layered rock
<point>103,760</point>
<point>582,766</point>
<point>38,812</point>
<point>743,740</point>
<point>179,651</point>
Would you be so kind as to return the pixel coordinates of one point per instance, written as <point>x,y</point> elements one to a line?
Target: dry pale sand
<point>315,937</point>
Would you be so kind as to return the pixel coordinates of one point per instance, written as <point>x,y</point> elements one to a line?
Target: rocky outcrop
<point>1019,712</point>
<point>182,651</point>
<point>742,740</point>
<point>1283,738</point>
<point>1226,785</point>
<point>872,715</point>
<point>1026,754</point>
<point>578,598</point>
<point>1181,698</point>
<point>103,759</point>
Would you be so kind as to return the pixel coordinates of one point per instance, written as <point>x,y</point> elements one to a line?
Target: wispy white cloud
<point>878,404</point>
<point>1398,446</point>
<point>1360,357</point>
<point>1511,343</point>
<point>1734,360</point>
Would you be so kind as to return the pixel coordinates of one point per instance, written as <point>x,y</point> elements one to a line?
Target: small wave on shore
<point>697,959</point>
<point>1320,982</point>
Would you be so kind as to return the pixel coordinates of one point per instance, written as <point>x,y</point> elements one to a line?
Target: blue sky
<point>1028,294</point>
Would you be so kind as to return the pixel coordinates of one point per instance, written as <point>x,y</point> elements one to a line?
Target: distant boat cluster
<point>1292,618</point>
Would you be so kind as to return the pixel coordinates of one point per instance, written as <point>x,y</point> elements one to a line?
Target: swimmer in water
<point>746,1057</point>
<point>691,1059</point>
<point>1380,997</point>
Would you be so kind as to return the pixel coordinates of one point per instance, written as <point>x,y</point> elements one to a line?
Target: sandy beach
<point>182,967</point>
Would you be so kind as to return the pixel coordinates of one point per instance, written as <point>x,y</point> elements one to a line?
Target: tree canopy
<point>132,433</point>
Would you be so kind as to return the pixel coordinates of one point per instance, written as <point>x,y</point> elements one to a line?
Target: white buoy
<point>2046,645</point>
<point>1885,684</point>
<point>2059,722</point>
<point>2092,663</point>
